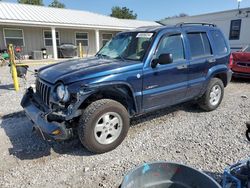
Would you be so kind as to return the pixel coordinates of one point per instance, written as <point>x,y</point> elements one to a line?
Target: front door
<point>166,84</point>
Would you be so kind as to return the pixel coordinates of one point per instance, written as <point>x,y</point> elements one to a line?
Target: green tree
<point>123,13</point>
<point>178,16</point>
<point>31,2</point>
<point>57,4</point>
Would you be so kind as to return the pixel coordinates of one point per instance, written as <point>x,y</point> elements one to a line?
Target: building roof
<point>206,16</point>
<point>14,13</point>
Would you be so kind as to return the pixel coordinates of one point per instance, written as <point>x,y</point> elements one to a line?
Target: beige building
<point>36,27</point>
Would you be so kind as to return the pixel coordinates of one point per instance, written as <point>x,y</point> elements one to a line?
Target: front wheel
<point>213,95</point>
<point>103,125</point>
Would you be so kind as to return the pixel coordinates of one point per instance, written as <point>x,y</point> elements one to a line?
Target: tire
<point>213,95</point>
<point>103,125</point>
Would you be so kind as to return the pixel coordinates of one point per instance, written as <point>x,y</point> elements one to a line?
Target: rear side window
<point>220,43</point>
<point>199,44</point>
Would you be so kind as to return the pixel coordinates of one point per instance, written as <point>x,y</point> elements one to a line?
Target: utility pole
<point>239,1</point>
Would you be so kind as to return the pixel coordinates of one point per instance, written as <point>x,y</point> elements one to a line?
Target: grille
<point>243,64</point>
<point>43,91</point>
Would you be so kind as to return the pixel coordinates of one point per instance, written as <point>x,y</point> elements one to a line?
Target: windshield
<point>129,46</point>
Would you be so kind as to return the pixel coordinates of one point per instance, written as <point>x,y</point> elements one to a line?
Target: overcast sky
<point>153,9</point>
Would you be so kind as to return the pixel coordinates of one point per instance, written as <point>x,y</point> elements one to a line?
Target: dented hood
<point>76,70</point>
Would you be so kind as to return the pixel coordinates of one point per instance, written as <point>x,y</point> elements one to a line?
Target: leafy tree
<point>178,16</point>
<point>123,13</point>
<point>57,4</point>
<point>31,2</point>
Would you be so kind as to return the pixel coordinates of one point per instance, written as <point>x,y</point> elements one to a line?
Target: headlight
<point>62,93</point>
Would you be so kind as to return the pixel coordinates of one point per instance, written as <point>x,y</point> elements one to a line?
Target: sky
<point>153,10</point>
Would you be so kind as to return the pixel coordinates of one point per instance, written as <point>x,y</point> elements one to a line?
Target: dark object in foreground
<point>167,174</point>
<point>248,130</point>
<point>67,50</point>
<point>237,175</point>
<point>22,71</point>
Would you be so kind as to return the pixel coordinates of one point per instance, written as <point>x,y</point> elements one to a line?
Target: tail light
<point>231,61</point>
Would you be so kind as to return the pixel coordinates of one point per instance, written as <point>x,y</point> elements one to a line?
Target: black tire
<point>204,102</point>
<point>89,118</point>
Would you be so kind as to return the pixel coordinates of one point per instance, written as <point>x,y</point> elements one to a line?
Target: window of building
<point>82,38</point>
<point>105,38</point>
<point>14,36</point>
<point>173,45</point>
<point>199,45</point>
<point>220,43</point>
<point>47,35</point>
<point>235,30</point>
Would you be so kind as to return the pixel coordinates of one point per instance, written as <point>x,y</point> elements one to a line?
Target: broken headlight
<point>62,93</point>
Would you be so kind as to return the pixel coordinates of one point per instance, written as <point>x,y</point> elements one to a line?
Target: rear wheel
<point>213,95</point>
<point>103,125</point>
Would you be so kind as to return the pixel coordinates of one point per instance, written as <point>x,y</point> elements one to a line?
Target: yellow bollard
<point>80,50</point>
<point>13,67</point>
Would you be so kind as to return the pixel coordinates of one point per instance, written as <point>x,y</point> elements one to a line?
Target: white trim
<point>4,35</point>
<point>106,34</point>
<point>97,40</point>
<point>66,26</point>
<point>54,42</point>
<point>44,43</point>
<point>82,39</point>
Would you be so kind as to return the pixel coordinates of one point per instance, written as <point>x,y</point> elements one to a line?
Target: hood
<point>241,56</point>
<point>76,70</point>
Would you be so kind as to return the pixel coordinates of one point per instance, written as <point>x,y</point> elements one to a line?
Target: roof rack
<point>195,23</point>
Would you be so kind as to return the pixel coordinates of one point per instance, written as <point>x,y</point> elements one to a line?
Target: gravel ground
<point>184,133</point>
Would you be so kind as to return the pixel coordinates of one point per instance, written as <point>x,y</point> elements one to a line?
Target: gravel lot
<point>184,133</point>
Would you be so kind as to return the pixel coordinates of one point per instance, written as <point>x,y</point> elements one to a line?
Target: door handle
<point>184,66</point>
<point>211,60</point>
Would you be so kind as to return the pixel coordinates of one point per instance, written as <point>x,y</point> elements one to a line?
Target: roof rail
<point>195,23</point>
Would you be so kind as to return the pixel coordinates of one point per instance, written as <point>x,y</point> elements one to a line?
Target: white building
<point>36,27</point>
<point>234,23</point>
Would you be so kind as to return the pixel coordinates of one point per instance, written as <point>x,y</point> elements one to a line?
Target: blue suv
<point>136,72</point>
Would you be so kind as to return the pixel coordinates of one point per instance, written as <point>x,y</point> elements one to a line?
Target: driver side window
<point>171,44</point>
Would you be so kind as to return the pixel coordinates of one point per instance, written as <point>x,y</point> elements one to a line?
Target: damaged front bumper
<point>39,115</point>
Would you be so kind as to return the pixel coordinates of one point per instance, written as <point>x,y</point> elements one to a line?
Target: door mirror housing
<point>163,60</point>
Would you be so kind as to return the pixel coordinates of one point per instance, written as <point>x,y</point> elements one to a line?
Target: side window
<point>13,36</point>
<point>47,36</point>
<point>171,44</point>
<point>219,41</point>
<point>106,37</point>
<point>199,44</point>
<point>81,38</point>
<point>235,30</point>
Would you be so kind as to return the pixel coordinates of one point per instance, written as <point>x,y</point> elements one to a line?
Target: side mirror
<point>165,59</point>
<point>162,60</point>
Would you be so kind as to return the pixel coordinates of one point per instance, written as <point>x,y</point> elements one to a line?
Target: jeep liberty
<point>136,72</point>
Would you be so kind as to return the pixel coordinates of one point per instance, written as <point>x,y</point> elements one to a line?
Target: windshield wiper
<point>120,57</point>
<point>103,56</point>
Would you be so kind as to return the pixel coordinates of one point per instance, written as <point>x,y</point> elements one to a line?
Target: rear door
<point>200,56</point>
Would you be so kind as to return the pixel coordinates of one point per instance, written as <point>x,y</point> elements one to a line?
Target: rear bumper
<point>38,116</point>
